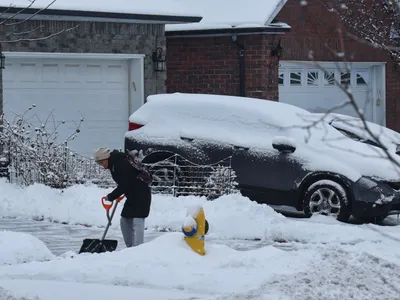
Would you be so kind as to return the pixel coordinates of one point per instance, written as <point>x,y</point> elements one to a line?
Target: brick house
<point>202,58</point>
<point>99,65</point>
<point>218,58</point>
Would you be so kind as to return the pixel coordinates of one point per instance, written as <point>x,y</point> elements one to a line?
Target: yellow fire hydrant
<point>195,228</point>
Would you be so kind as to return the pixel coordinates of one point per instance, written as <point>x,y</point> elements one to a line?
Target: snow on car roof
<point>255,123</point>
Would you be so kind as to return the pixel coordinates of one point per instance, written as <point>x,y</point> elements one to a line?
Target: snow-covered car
<point>279,156</point>
<point>355,129</point>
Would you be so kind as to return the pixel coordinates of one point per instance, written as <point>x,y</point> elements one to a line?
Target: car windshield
<point>358,138</point>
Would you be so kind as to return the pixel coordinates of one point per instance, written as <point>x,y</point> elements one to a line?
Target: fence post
<point>230,176</point>
<point>174,184</point>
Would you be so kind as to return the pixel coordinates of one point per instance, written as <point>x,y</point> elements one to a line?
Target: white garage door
<point>310,88</point>
<point>95,89</point>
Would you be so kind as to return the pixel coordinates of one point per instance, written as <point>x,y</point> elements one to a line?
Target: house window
<point>312,78</point>
<point>295,77</point>
<point>345,78</point>
<point>329,78</point>
<point>362,77</point>
<point>281,77</point>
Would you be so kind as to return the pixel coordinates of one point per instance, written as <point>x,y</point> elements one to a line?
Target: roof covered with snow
<point>224,14</point>
<point>162,11</point>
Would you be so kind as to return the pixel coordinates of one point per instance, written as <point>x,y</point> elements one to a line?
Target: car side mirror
<point>284,145</point>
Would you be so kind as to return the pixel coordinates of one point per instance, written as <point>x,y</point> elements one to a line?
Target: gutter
<point>81,15</point>
<point>241,65</point>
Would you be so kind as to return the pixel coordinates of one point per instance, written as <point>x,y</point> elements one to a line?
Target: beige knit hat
<point>101,153</point>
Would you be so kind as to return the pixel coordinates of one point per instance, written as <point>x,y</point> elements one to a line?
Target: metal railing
<point>178,176</point>
<point>175,175</point>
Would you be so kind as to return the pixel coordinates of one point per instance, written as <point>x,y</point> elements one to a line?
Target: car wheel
<point>327,197</point>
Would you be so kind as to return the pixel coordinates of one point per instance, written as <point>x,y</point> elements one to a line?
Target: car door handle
<point>241,148</point>
<point>187,139</point>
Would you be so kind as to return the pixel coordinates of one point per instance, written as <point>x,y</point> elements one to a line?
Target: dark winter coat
<point>137,192</point>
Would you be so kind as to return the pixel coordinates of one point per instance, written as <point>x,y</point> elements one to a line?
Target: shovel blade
<point>98,246</point>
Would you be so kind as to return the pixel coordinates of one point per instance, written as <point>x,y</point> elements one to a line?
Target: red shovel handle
<point>107,206</point>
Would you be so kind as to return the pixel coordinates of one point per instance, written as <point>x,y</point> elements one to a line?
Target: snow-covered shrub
<point>34,151</point>
<point>222,181</point>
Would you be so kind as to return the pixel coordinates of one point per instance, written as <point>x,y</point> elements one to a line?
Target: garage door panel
<point>97,89</point>
<point>316,90</point>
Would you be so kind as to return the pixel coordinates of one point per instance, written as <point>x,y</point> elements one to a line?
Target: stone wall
<point>93,37</point>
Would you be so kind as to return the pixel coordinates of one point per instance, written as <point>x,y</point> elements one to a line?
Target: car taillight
<point>133,126</point>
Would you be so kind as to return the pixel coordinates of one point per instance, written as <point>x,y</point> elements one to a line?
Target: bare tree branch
<point>377,24</point>
<point>41,38</point>
<point>22,10</point>
<point>31,34</point>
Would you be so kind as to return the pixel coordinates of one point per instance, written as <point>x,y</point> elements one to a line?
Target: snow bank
<point>230,216</point>
<point>46,289</point>
<point>7,295</point>
<point>18,248</point>
<point>168,262</point>
<point>334,274</point>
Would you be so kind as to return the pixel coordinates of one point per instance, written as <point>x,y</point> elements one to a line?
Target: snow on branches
<point>374,22</point>
<point>32,148</point>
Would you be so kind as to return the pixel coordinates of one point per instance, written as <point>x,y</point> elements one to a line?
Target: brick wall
<point>211,65</point>
<point>97,38</point>
<point>312,26</point>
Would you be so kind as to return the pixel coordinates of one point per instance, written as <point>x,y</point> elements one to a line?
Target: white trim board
<point>342,65</point>
<point>116,56</point>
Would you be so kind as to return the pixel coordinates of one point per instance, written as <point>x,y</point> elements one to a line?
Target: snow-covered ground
<point>327,259</point>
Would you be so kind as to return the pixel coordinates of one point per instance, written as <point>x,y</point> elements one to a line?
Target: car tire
<point>373,220</point>
<point>327,197</point>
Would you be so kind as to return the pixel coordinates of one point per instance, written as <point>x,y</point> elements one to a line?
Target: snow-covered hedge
<point>36,154</point>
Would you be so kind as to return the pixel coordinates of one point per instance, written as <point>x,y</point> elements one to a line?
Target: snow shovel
<point>102,245</point>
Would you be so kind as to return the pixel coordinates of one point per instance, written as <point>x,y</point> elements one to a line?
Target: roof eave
<point>225,31</point>
<point>276,11</point>
<point>61,14</point>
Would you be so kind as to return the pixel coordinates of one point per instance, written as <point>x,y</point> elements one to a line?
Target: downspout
<point>241,65</point>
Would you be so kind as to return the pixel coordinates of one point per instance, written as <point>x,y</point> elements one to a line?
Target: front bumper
<point>373,198</point>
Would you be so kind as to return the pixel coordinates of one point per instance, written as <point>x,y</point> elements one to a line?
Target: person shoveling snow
<point>133,180</point>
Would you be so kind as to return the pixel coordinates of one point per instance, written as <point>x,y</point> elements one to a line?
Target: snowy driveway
<point>61,238</point>
<point>323,258</point>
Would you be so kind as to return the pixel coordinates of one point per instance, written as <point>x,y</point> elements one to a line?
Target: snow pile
<point>81,205</point>
<point>7,295</point>
<point>168,262</point>
<point>327,259</point>
<point>18,248</point>
<point>334,274</point>
<point>229,217</point>
<point>29,289</point>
